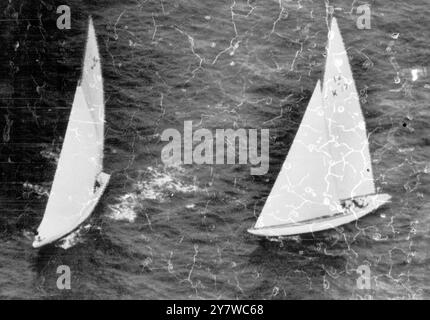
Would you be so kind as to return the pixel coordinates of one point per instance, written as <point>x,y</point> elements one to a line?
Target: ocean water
<point>180,232</point>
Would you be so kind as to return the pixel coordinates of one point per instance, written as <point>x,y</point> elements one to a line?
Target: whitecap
<point>73,238</point>
<point>157,184</point>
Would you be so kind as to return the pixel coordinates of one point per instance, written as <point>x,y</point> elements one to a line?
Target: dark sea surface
<point>180,232</point>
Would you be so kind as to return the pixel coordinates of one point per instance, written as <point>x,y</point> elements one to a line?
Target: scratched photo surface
<point>180,232</point>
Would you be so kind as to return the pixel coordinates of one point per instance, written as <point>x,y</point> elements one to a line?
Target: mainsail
<point>304,188</point>
<point>349,145</point>
<point>73,192</point>
<point>92,87</point>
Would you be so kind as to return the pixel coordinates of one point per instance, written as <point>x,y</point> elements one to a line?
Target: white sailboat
<point>326,180</point>
<point>79,181</point>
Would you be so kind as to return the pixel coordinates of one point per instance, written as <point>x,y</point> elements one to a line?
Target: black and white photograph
<point>214,150</point>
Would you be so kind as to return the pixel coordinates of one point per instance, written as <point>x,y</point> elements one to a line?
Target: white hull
<point>103,180</point>
<point>325,222</point>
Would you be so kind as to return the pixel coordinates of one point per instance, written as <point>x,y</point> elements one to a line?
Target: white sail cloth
<point>349,144</point>
<point>304,188</point>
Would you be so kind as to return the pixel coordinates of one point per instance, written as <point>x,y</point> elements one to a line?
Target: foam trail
<point>155,184</point>
<point>73,238</point>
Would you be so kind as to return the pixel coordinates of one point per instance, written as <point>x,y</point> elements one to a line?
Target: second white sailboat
<point>326,180</point>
